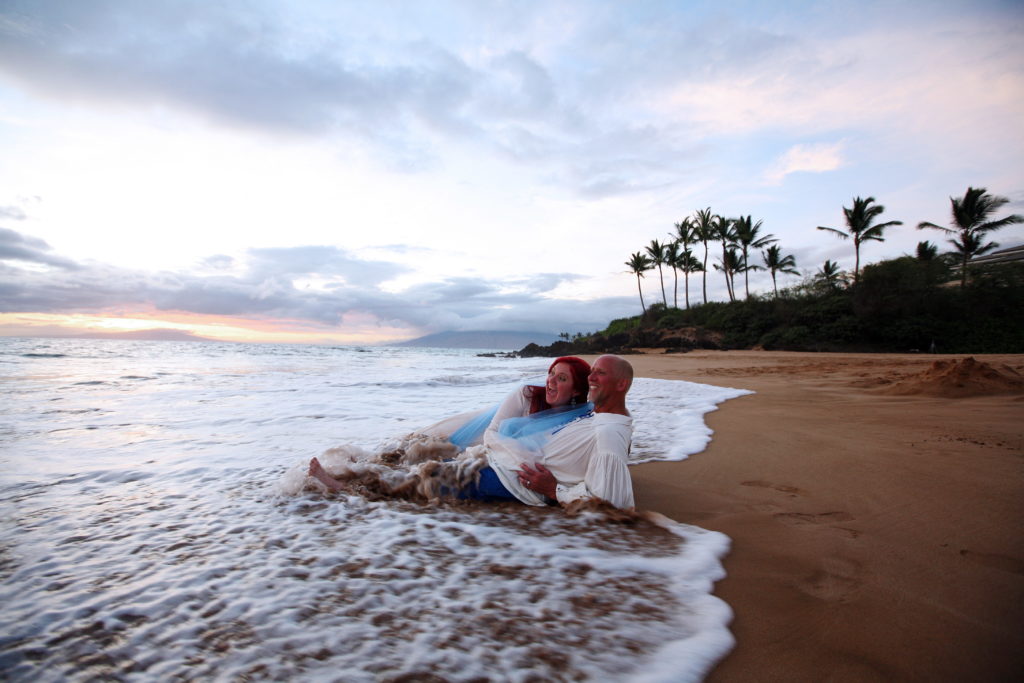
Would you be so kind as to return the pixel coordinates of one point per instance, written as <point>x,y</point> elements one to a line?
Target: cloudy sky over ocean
<point>367,171</point>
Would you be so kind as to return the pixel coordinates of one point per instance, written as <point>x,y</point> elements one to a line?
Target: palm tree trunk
<point>856,263</point>
<point>686,277</point>
<point>725,272</point>
<point>675,288</point>
<point>704,273</point>
<point>662,278</point>
<point>639,289</point>
<point>746,277</point>
<point>774,286</point>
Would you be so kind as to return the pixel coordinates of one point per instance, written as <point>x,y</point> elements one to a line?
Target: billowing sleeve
<point>607,476</point>
<point>515,405</point>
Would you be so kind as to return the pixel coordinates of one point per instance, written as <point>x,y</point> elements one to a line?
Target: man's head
<point>610,379</point>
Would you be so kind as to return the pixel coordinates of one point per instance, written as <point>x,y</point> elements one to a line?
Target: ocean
<point>148,532</point>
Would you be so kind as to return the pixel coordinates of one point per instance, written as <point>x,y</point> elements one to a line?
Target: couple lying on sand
<point>567,441</point>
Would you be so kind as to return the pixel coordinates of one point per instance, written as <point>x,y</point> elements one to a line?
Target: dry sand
<point>876,519</point>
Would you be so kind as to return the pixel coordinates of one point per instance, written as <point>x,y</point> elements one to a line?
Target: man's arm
<point>539,478</point>
<point>607,471</point>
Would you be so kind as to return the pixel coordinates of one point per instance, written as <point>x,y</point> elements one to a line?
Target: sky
<point>365,172</point>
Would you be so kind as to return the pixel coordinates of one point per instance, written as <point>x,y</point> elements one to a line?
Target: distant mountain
<point>505,341</point>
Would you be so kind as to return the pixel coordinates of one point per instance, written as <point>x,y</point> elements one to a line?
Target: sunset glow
<point>216,328</point>
<point>353,173</point>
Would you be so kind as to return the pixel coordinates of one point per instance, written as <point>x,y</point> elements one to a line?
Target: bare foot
<point>317,471</point>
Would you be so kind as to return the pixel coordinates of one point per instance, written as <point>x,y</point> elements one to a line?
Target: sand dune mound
<point>959,379</point>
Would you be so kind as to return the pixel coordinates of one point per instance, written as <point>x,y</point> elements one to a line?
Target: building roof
<point>1015,253</point>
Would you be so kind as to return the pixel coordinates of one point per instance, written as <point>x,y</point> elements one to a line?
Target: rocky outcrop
<point>624,343</point>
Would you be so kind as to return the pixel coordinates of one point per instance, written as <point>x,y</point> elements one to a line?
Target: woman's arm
<point>516,404</point>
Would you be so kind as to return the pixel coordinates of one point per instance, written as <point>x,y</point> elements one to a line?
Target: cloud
<point>405,98</point>
<point>263,285</point>
<point>12,212</point>
<point>813,158</point>
<point>17,247</point>
<point>320,260</point>
<point>218,262</point>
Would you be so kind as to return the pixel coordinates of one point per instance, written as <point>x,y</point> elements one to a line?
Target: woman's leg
<point>488,489</point>
<point>317,471</point>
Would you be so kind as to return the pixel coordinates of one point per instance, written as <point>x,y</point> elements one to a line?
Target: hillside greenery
<point>905,304</point>
<point>928,302</point>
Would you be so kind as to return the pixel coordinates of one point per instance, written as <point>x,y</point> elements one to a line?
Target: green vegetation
<point>899,305</point>
<point>911,303</point>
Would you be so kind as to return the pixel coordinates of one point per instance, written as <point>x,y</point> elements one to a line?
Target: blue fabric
<point>472,430</point>
<point>533,430</point>
<point>489,488</point>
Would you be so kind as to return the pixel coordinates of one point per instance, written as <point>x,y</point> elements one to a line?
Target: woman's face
<point>558,390</point>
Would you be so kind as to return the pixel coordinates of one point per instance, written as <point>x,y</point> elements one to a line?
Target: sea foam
<point>144,534</point>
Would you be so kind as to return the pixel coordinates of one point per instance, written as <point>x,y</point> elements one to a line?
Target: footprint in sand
<point>801,519</point>
<point>782,488</point>
<point>837,578</point>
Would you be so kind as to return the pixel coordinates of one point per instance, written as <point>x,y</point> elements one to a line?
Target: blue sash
<point>532,430</point>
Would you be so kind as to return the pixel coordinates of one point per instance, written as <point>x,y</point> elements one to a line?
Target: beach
<point>875,518</point>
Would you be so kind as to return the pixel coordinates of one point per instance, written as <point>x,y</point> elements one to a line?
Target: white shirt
<point>586,456</point>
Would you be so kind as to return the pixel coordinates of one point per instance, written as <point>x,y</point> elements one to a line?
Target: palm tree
<point>746,235</point>
<point>969,246</point>
<point>639,263</point>
<point>775,262</point>
<point>685,235</point>
<point>671,259</point>
<point>926,251</point>
<point>688,263</point>
<point>730,264</point>
<point>656,250</point>
<point>858,222</point>
<point>971,224</point>
<point>830,274</point>
<point>705,233</point>
<point>725,232</point>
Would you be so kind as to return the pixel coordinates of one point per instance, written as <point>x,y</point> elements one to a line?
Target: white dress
<point>516,404</point>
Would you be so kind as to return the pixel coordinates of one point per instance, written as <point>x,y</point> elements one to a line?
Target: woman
<point>526,414</point>
<point>566,387</point>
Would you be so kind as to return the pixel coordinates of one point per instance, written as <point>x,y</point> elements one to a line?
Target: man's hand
<point>539,479</point>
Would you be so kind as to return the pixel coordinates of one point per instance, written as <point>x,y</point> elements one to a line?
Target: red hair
<point>580,370</point>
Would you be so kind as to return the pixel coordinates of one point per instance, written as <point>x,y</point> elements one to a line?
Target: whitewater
<point>145,532</point>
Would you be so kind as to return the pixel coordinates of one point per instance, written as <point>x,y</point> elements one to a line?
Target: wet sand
<point>876,527</point>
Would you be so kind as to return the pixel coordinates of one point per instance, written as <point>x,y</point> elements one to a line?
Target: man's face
<point>602,380</point>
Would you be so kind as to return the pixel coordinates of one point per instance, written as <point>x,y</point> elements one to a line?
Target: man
<point>586,458</point>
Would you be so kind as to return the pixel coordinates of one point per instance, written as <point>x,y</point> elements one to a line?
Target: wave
<point>468,380</point>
